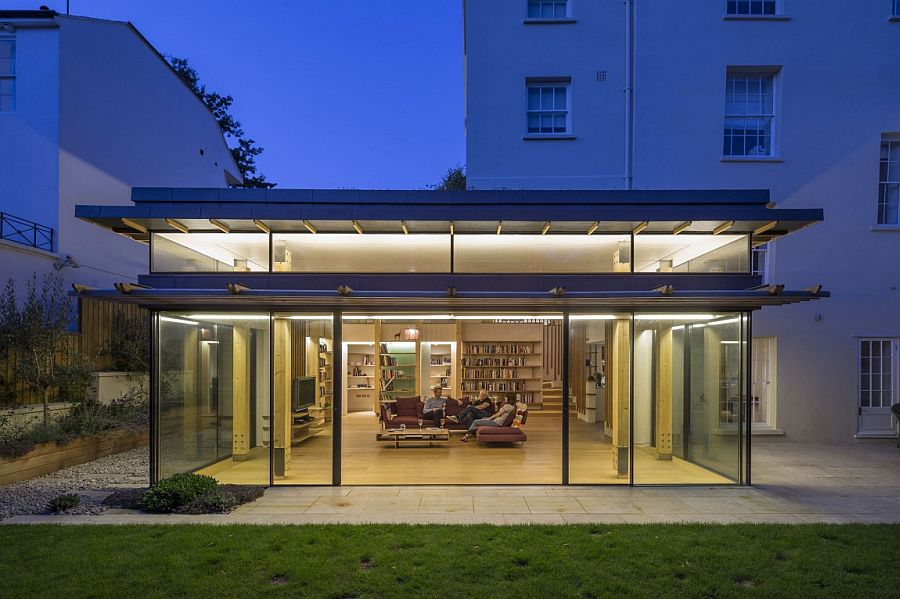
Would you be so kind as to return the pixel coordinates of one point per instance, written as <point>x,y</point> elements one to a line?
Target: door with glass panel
<point>877,386</point>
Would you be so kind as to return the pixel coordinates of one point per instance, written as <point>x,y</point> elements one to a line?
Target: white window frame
<point>759,261</point>
<point>12,75</point>
<point>549,82</point>
<point>768,378</point>
<point>750,4</point>
<point>885,181</point>
<point>541,3</point>
<point>772,116</point>
<point>891,391</point>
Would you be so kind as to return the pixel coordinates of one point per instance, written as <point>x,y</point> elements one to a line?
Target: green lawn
<point>450,561</point>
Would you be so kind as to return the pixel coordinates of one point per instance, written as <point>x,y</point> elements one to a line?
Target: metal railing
<point>26,232</point>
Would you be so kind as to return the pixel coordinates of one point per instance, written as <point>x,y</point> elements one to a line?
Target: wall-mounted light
<point>723,227</point>
<point>680,228</point>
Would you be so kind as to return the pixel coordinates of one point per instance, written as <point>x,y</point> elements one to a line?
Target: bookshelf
<point>360,375</point>
<point>325,383</point>
<point>503,367</point>
<point>398,369</point>
<point>438,365</point>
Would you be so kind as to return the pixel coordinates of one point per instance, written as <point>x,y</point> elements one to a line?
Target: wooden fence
<point>95,319</point>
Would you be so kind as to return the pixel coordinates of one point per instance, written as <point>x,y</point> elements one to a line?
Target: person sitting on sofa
<point>434,406</point>
<point>496,420</point>
<point>482,407</point>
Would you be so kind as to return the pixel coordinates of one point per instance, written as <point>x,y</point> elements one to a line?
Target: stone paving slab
<point>795,483</point>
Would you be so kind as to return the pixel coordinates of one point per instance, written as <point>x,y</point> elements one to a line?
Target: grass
<point>450,561</point>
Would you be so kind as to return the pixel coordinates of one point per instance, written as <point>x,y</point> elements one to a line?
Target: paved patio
<point>793,483</point>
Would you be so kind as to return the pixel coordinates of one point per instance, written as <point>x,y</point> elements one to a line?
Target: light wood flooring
<point>366,461</point>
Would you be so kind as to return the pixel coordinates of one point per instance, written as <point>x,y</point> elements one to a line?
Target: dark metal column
<point>565,400</point>
<point>337,395</point>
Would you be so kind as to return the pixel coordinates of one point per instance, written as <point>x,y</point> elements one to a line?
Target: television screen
<point>303,393</point>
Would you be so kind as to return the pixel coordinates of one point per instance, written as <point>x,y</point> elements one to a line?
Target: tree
<point>454,180</point>
<point>34,335</point>
<point>243,150</point>
<point>129,343</point>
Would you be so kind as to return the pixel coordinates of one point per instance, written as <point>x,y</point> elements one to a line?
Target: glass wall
<point>691,253</point>
<point>360,253</point>
<point>600,385</point>
<point>209,252</point>
<point>304,372</point>
<point>541,253</point>
<point>689,387</point>
<point>213,396</point>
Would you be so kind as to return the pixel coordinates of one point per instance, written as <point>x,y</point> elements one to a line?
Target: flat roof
<point>428,211</point>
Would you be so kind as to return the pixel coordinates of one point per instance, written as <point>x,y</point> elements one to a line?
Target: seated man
<point>434,406</point>
<point>496,420</point>
<point>482,407</point>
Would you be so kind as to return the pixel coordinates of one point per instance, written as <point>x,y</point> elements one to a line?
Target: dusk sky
<point>340,93</point>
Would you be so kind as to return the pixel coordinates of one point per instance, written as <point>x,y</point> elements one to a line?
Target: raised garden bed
<point>50,457</point>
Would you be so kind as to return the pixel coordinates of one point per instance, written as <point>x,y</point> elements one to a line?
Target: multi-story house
<point>796,97</point>
<point>89,109</point>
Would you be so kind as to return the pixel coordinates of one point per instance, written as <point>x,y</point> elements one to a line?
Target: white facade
<point>97,111</point>
<point>835,94</point>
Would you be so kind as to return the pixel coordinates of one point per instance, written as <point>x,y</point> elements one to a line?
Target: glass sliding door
<point>689,387</point>
<point>212,396</point>
<point>600,385</point>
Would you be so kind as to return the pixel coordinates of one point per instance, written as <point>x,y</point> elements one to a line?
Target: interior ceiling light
<point>309,317</point>
<point>593,227</point>
<point>178,320</point>
<point>723,227</point>
<point>680,228</point>
<point>640,227</point>
<point>545,228</point>
<point>358,227</point>
<point>726,321</point>
<point>309,227</point>
<point>674,316</point>
<point>404,227</point>
<point>765,227</point>
<point>220,225</point>
<point>592,317</point>
<point>229,316</point>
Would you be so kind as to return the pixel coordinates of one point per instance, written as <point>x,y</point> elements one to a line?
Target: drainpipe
<point>629,94</point>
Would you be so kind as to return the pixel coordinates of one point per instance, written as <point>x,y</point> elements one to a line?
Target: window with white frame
<point>889,181</point>
<point>763,383</point>
<point>751,7</point>
<point>548,108</point>
<point>759,262</point>
<point>749,113</point>
<point>876,373</point>
<point>7,73</point>
<point>548,9</point>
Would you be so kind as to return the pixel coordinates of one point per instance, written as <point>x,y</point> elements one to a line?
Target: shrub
<point>171,493</point>
<point>217,501</point>
<point>63,502</point>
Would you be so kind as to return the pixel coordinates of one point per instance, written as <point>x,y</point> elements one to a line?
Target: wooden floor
<point>366,461</point>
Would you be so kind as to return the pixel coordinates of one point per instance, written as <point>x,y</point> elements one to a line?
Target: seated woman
<point>482,407</point>
<point>496,420</point>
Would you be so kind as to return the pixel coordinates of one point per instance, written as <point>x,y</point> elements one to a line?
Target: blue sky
<point>340,93</point>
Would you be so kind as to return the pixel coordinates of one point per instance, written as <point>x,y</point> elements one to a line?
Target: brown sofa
<point>503,434</point>
<point>408,410</point>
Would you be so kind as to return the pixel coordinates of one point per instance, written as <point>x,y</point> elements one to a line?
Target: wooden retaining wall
<point>50,457</point>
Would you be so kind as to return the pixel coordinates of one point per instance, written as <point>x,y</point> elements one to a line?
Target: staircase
<point>553,400</point>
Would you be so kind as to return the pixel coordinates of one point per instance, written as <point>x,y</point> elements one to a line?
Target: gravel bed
<point>92,481</point>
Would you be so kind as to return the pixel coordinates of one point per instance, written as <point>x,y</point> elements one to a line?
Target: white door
<point>877,386</point>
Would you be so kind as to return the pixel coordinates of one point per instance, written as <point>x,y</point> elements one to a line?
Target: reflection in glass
<point>688,394</point>
<point>209,252</point>
<point>213,396</point>
<point>299,252</point>
<point>304,375</point>
<point>542,253</point>
<point>600,381</point>
<point>691,253</point>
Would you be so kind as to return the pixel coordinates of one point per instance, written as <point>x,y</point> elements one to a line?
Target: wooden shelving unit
<point>397,366</point>
<point>325,384</point>
<point>360,375</point>
<point>503,367</point>
<point>438,366</point>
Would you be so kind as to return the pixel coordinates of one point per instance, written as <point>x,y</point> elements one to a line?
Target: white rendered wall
<point>837,92</point>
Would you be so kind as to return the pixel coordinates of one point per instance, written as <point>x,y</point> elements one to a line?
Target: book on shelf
<point>516,361</point>
<point>498,348</point>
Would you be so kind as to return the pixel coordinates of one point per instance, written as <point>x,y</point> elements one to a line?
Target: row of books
<point>357,371</point>
<point>518,361</point>
<point>491,373</point>
<point>494,386</point>
<point>484,348</point>
<point>440,361</point>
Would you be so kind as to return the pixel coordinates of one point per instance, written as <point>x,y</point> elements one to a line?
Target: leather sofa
<point>408,410</point>
<point>503,434</point>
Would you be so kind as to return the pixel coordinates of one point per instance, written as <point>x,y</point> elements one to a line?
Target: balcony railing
<point>26,232</point>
